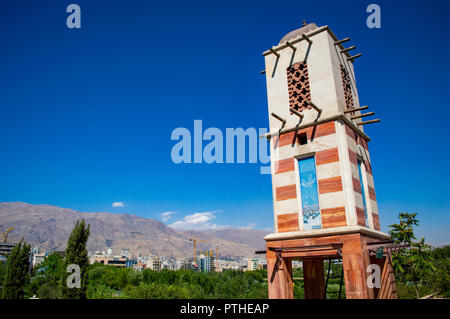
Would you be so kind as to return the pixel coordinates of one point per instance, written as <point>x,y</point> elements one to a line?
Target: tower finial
<point>304,22</point>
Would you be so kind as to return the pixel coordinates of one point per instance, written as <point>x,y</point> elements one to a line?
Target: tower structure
<point>323,188</point>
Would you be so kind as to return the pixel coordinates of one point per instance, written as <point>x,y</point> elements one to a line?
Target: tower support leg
<point>355,260</point>
<point>279,276</point>
<point>314,278</point>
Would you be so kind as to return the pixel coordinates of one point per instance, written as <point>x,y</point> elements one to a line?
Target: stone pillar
<point>313,278</point>
<point>279,277</point>
<point>355,260</point>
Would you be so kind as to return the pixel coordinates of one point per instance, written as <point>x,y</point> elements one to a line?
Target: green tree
<point>47,279</point>
<point>413,263</point>
<point>76,254</point>
<point>2,273</point>
<point>439,280</point>
<point>17,272</point>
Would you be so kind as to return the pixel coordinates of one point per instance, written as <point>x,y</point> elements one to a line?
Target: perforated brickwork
<point>298,85</point>
<point>347,88</point>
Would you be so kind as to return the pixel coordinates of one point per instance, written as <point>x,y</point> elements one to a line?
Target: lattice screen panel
<point>347,88</point>
<point>298,85</point>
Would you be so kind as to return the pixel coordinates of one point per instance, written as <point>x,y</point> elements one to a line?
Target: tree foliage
<point>414,263</point>
<point>47,278</point>
<point>17,272</point>
<point>77,254</point>
<point>112,282</point>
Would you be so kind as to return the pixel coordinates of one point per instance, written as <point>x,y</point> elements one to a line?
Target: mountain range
<point>49,227</point>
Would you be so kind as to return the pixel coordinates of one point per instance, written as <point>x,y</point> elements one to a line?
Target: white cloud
<point>197,221</point>
<point>118,204</point>
<point>249,226</point>
<point>166,215</point>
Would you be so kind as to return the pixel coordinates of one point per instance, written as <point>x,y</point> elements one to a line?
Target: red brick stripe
<point>333,217</point>
<point>376,221</point>
<point>357,185</point>
<point>285,165</point>
<point>356,137</point>
<point>330,185</point>
<point>312,132</point>
<point>287,222</point>
<point>361,219</point>
<point>353,158</point>
<point>372,193</point>
<point>350,132</point>
<point>327,156</point>
<point>286,192</point>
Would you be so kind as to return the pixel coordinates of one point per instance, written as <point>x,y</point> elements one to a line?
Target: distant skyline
<point>86,115</point>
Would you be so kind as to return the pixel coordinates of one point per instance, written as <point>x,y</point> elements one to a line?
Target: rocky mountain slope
<point>49,228</point>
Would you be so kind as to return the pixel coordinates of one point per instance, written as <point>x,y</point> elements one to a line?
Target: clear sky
<point>86,114</point>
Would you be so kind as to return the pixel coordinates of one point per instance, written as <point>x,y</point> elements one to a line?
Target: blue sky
<point>86,115</point>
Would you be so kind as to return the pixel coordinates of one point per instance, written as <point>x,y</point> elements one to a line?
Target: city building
<point>185,264</point>
<point>154,263</point>
<point>109,260</point>
<point>6,248</point>
<point>253,264</point>
<point>38,258</point>
<point>206,261</point>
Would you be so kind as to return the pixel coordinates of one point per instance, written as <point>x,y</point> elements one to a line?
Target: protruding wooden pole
<point>290,45</point>
<point>296,113</point>
<point>274,52</point>
<point>354,57</point>
<point>306,38</point>
<point>362,115</point>
<point>348,49</point>
<point>357,109</point>
<point>319,110</point>
<point>341,41</point>
<point>369,122</point>
<point>279,118</point>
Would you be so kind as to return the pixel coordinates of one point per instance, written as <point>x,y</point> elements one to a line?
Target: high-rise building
<point>253,264</point>
<point>206,261</point>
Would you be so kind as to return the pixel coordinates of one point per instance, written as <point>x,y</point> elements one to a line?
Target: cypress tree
<point>17,275</point>
<point>76,254</point>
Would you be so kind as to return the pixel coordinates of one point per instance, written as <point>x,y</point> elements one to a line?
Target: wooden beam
<point>319,110</point>
<point>274,52</point>
<point>348,49</point>
<point>279,118</point>
<point>341,41</point>
<point>357,109</point>
<point>296,113</point>
<point>369,122</point>
<point>362,115</point>
<point>306,38</point>
<point>354,57</point>
<point>290,45</point>
<point>342,117</point>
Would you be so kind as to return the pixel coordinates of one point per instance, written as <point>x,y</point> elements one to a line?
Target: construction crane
<point>195,240</point>
<point>5,234</point>
<point>217,249</point>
